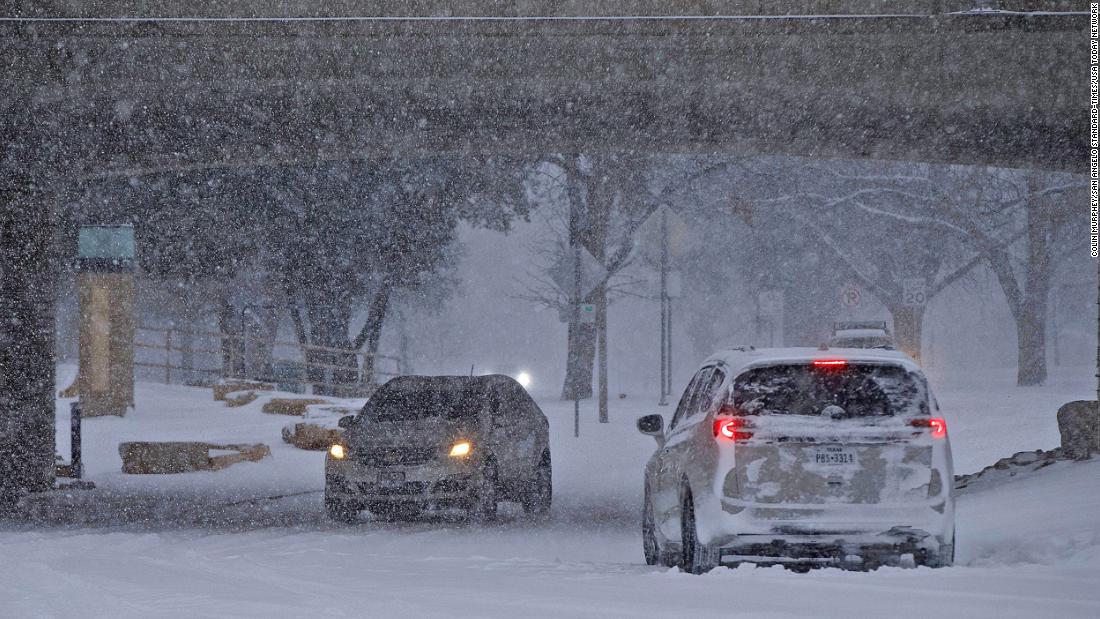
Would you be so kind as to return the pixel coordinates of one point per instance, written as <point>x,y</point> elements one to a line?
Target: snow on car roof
<point>743,358</point>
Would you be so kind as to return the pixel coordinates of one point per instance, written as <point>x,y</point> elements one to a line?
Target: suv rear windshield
<point>852,390</point>
<point>419,401</point>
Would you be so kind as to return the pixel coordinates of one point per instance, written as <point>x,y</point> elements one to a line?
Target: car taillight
<point>731,429</point>
<point>937,425</point>
<point>830,364</point>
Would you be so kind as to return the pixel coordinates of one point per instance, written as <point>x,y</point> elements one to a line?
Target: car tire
<point>695,557</point>
<point>483,498</point>
<point>540,493</point>
<point>342,511</point>
<point>650,546</point>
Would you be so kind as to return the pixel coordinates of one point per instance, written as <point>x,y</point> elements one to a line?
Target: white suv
<point>801,457</point>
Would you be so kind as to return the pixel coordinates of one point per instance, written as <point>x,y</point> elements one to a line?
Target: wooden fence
<point>219,355</point>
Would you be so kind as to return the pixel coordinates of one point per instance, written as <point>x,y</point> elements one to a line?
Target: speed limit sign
<point>914,292</point>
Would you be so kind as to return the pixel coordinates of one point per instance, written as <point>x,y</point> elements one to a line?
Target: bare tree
<point>1006,219</point>
<point>597,202</point>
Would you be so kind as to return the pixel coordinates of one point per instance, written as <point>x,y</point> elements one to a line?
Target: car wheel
<point>537,499</point>
<point>483,502</point>
<point>342,511</point>
<point>696,558</point>
<point>650,546</point>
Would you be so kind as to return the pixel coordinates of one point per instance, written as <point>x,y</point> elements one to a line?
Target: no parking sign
<point>851,295</point>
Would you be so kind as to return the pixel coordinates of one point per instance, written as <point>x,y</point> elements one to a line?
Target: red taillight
<point>731,429</point>
<point>937,425</point>
<point>830,363</point>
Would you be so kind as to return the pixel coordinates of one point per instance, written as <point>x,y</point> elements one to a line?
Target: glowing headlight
<point>337,451</point>
<point>460,449</point>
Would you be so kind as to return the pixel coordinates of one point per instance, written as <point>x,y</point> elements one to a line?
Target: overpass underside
<point>134,97</point>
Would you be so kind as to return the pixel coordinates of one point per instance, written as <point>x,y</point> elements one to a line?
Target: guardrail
<point>235,361</point>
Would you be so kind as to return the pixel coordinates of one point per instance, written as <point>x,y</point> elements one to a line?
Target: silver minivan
<point>439,444</point>
<point>801,457</point>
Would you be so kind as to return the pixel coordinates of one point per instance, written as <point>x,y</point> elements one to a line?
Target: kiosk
<point>106,283</point>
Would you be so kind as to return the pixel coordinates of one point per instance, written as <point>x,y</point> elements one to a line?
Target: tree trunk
<point>185,328</point>
<point>589,214</point>
<point>1032,315</point>
<point>601,345</point>
<point>577,384</point>
<point>229,324</point>
<point>580,362</point>
<point>908,328</point>
<point>262,331</point>
<point>371,334</point>
<point>28,304</point>
<point>329,321</point>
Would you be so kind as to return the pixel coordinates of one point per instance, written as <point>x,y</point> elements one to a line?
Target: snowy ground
<point>251,540</point>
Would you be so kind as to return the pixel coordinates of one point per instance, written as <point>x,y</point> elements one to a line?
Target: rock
<point>319,428</point>
<point>1079,425</point>
<point>1020,462</point>
<point>225,387</point>
<point>71,391</point>
<point>239,398</point>
<point>290,406</point>
<point>152,458</point>
<point>1026,457</point>
<point>310,436</point>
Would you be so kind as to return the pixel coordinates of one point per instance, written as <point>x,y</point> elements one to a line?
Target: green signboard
<point>106,242</point>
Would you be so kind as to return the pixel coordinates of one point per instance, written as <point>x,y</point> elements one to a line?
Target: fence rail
<point>235,361</point>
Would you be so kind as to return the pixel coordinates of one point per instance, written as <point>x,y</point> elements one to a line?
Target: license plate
<point>835,456</point>
<point>391,478</point>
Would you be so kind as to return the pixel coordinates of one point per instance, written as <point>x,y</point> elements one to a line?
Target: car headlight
<point>337,452</point>
<point>461,449</point>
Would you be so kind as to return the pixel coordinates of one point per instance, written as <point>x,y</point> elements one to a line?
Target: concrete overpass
<point>1005,89</point>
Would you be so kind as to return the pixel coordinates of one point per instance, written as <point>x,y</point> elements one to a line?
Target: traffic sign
<point>914,292</point>
<point>563,272</point>
<point>851,295</point>
<point>674,284</point>
<point>681,241</point>
<point>587,312</point>
<point>770,302</point>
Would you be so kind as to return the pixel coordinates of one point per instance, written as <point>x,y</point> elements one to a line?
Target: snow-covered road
<point>216,544</point>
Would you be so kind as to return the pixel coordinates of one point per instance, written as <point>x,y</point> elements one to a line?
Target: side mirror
<point>346,421</point>
<point>653,425</point>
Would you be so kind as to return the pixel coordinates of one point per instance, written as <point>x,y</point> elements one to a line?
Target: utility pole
<point>574,344</point>
<point>601,345</point>
<point>575,330</point>
<point>666,316</point>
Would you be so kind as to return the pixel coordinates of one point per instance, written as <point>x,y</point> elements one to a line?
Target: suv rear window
<point>420,401</point>
<point>855,390</point>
